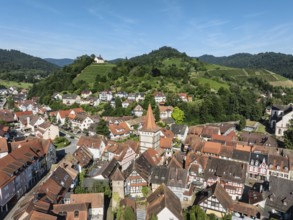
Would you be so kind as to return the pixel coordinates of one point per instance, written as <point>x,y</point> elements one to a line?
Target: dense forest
<point>21,67</point>
<point>234,100</point>
<point>275,62</point>
<point>60,80</point>
<point>158,55</point>
<point>60,62</point>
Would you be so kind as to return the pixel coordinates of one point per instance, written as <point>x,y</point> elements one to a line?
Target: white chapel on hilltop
<point>99,59</point>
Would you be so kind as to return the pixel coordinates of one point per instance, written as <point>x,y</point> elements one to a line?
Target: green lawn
<point>15,84</point>
<point>61,142</point>
<point>213,84</point>
<point>89,73</point>
<point>170,61</point>
<point>261,128</point>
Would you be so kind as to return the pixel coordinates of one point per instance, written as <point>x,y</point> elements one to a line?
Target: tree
<point>157,113</point>
<point>145,191</point>
<point>288,136</point>
<point>10,103</point>
<point>197,213</point>
<point>178,115</point>
<point>102,128</point>
<point>129,213</point>
<point>108,110</point>
<point>242,123</point>
<point>118,103</point>
<point>149,99</point>
<point>153,217</point>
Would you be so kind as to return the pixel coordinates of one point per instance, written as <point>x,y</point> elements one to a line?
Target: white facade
<point>82,125</point>
<point>96,212</point>
<point>127,159</point>
<point>160,99</point>
<point>148,139</point>
<point>213,203</point>
<point>49,133</point>
<point>138,111</point>
<point>99,59</point>
<point>97,102</point>
<point>97,152</point>
<point>125,104</point>
<point>282,125</point>
<point>106,96</point>
<point>166,214</point>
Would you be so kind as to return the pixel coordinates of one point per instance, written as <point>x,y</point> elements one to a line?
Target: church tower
<point>149,135</point>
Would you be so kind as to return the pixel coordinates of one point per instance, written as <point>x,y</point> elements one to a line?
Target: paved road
<point>71,147</point>
<point>73,141</point>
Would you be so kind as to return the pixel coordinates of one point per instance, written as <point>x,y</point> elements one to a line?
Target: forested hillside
<point>60,62</point>
<point>275,62</point>
<point>219,93</point>
<point>21,67</point>
<point>61,80</point>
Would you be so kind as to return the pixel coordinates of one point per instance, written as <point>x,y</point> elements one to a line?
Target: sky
<point>119,29</point>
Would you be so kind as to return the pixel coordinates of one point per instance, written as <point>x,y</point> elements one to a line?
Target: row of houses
<point>214,159</point>
<point>54,198</point>
<point>86,98</point>
<point>23,167</point>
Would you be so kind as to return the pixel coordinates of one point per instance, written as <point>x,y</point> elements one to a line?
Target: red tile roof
<point>64,113</point>
<point>35,215</point>
<point>95,199</point>
<point>208,131</point>
<point>167,133</point>
<point>196,130</point>
<point>119,129</point>
<point>165,108</point>
<point>222,138</point>
<point>25,113</point>
<point>3,145</point>
<point>149,123</point>
<point>211,148</point>
<point>166,143</point>
<point>91,142</point>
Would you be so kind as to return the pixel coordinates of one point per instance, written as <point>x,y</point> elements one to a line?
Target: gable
<point>165,213</point>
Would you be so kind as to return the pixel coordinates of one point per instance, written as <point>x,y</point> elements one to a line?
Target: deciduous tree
<point>178,115</point>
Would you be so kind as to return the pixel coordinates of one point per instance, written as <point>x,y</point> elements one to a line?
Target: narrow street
<point>25,198</point>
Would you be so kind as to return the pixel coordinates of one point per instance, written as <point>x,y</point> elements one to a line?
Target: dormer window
<point>251,162</point>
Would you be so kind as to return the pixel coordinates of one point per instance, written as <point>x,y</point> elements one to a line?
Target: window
<point>76,214</point>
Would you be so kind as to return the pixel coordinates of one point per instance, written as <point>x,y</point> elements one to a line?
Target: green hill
<point>60,62</point>
<point>219,93</point>
<point>90,73</point>
<point>165,69</point>
<point>168,70</point>
<point>275,62</point>
<point>21,67</point>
